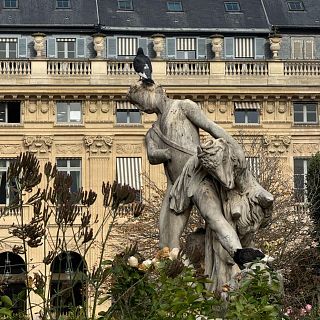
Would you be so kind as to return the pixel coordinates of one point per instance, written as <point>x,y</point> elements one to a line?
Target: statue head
<point>148,98</point>
<point>217,159</point>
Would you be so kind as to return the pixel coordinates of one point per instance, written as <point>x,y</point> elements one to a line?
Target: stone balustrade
<point>116,72</point>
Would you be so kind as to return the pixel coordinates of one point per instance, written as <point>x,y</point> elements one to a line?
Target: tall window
<point>186,48</point>
<point>7,191</point>
<point>10,112</point>
<point>302,48</point>
<point>175,6</point>
<point>253,164</point>
<point>63,4</point>
<point>300,170</point>
<point>66,48</point>
<point>244,47</point>
<point>125,5</point>
<point>8,48</point>
<point>127,46</point>
<point>305,113</point>
<point>127,113</point>
<point>129,172</point>
<point>73,168</point>
<point>247,113</point>
<point>69,112</point>
<point>10,3</point>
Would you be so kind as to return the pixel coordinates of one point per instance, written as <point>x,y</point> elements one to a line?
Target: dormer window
<point>125,5</point>
<point>295,6</point>
<point>232,6</point>
<point>174,6</point>
<point>9,4</point>
<point>63,4</point>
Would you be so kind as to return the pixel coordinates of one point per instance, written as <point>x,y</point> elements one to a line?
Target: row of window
<point>14,4</point>
<point>175,48</point>
<point>128,172</point>
<point>71,112</point>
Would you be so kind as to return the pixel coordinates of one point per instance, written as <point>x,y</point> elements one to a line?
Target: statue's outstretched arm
<point>155,154</point>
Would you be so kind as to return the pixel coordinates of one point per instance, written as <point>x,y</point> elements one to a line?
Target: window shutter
<point>308,49</point>
<point>143,43</point>
<point>171,47</point>
<point>297,49</point>
<point>81,47</point>
<point>51,48</point>
<point>229,47</point>
<point>22,47</point>
<point>201,48</point>
<point>259,48</point>
<point>111,47</point>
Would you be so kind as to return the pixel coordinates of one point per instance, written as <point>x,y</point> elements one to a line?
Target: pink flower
<point>288,311</point>
<point>303,312</point>
<point>308,307</point>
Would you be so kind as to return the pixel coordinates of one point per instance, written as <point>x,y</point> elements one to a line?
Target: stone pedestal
<point>38,43</point>
<point>158,44</point>
<point>216,45</point>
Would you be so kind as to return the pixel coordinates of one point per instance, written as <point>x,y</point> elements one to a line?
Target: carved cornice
<point>98,145</point>
<point>38,144</point>
<point>126,148</point>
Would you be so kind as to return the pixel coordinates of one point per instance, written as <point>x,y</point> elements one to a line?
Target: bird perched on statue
<point>142,65</point>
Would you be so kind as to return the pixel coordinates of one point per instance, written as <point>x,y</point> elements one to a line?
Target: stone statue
<point>212,176</point>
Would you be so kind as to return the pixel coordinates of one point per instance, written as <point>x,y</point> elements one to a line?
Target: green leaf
<point>6,301</point>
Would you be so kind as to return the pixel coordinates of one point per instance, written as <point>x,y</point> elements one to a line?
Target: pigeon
<point>246,255</point>
<point>142,65</point>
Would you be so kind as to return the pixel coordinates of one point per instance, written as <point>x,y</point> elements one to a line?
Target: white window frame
<point>13,4</point>
<point>128,5</point>
<point>246,116</point>
<point>292,5</point>
<point>66,53</point>
<point>68,112</point>
<point>174,6</point>
<point>232,6</point>
<point>7,187</point>
<point>63,2</point>
<point>68,169</point>
<point>304,175</point>
<point>302,43</point>
<point>7,43</point>
<point>7,110</point>
<point>305,112</point>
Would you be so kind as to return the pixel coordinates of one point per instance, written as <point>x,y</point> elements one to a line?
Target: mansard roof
<point>39,14</point>
<point>280,15</point>
<point>199,15</point>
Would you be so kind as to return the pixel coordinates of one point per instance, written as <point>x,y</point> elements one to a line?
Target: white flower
<point>133,261</point>
<point>147,263</point>
<point>173,255</point>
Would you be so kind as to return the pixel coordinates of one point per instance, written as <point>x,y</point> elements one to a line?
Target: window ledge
<point>69,125</point>
<point>4,124</point>
<point>306,124</point>
<point>248,124</point>
<point>128,125</point>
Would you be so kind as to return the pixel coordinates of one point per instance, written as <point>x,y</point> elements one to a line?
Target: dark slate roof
<point>39,13</point>
<point>197,15</point>
<point>279,15</point>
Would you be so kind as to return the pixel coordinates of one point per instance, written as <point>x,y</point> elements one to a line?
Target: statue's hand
<point>166,154</point>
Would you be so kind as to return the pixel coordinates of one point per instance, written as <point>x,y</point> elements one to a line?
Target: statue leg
<point>208,203</point>
<point>171,225</point>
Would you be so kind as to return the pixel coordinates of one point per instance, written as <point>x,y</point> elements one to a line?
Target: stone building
<point>66,65</point>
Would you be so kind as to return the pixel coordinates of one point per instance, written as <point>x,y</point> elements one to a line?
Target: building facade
<point>252,66</point>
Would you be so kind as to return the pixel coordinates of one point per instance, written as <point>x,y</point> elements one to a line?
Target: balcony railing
<point>302,68</point>
<point>188,68</point>
<point>120,67</point>
<point>59,67</point>
<point>244,68</point>
<point>15,67</point>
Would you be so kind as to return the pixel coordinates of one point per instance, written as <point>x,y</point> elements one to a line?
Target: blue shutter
<point>81,47</point>
<point>171,47</point>
<point>22,47</point>
<point>51,48</point>
<point>201,48</point>
<point>259,44</point>
<point>143,43</point>
<point>229,47</point>
<point>111,47</point>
